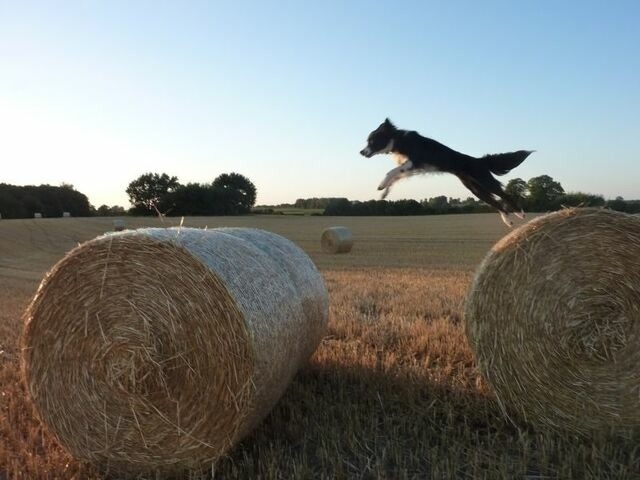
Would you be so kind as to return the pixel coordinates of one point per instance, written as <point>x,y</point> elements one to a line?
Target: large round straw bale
<point>553,316</point>
<point>156,350</point>
<point>336,240</point>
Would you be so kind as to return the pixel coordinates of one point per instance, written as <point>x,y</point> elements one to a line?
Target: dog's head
<point>380,140</point>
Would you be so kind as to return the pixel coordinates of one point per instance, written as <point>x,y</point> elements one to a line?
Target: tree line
<point>429,206</point>
<point>50,201</point>
<point>539,194</point>
<point>543,193</point>
<point>235,194</point>
<point>149,194</point>
<point>228,194</point>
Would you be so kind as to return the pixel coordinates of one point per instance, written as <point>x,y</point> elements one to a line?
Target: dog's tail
<point>502,163</point>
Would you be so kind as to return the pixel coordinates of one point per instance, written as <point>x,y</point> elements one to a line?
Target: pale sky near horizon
<point>97,93</point>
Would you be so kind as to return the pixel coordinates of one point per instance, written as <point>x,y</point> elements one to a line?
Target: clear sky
<point>97,93</point>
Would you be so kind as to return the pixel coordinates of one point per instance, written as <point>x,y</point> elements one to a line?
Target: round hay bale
<point>336,240</point>
<point>553,316</point>
<point>156,350</point>
<point>118,225</point>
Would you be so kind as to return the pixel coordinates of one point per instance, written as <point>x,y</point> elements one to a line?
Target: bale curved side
<point>157,350</point>
<point>336,240</point>
<point>553,316</point>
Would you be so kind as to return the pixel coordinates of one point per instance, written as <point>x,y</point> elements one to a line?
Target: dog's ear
<point>388,124</point>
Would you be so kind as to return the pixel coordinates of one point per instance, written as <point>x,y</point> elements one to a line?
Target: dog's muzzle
<point>366,152</point>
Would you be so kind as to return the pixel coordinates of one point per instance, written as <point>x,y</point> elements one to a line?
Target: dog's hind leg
<point>508,201</point>
<point>510,205</point>
<point>495,187</point>
<point>505,219</point>
<point>487,196</point>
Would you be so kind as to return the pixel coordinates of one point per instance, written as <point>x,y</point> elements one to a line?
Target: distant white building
<point>66,214</point>
<point>37,215</point>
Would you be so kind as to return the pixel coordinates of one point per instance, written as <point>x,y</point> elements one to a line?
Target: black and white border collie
<point>416,154</point>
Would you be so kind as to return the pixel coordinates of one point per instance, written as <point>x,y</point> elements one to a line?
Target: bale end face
<point>157,350</point>
<point>336,240</point>
<point>553,316</point>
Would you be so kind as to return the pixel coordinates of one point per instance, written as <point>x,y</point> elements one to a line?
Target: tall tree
<point>192,199</point>
<point>544,193</point>
<point>146,191</point>
<point>237,192</point>
<point>516,188</point>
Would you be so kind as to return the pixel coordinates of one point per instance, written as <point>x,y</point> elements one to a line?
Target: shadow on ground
<point>354,423</point>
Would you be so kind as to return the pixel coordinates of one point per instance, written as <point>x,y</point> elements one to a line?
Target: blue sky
<point>97,93</point>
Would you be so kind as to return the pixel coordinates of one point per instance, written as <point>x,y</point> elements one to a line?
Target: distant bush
<point>263,211</point>
<point>107,211</point>
<point>622,205</point>
<point>315,202</point>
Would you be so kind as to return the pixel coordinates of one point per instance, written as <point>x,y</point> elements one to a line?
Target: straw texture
<point>156,350</point>
<point>553,316</point>
<point>336,240</point>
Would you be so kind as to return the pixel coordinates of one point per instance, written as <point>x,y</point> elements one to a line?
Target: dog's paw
<point>383,184</point>
<point>506,220</point>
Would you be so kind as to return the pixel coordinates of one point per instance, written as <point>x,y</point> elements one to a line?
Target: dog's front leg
<point>394,175</point>
<point>389,179</point>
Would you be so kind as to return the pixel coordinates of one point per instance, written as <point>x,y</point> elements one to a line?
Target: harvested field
<point>392,392</point>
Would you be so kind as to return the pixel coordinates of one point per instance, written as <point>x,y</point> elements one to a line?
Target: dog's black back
<point>425,152</point>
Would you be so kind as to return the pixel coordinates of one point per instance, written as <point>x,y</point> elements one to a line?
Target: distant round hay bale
<point>336,240</point>
<point>118,225</point>
<point>157,350</point>
<point>553,316</point>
